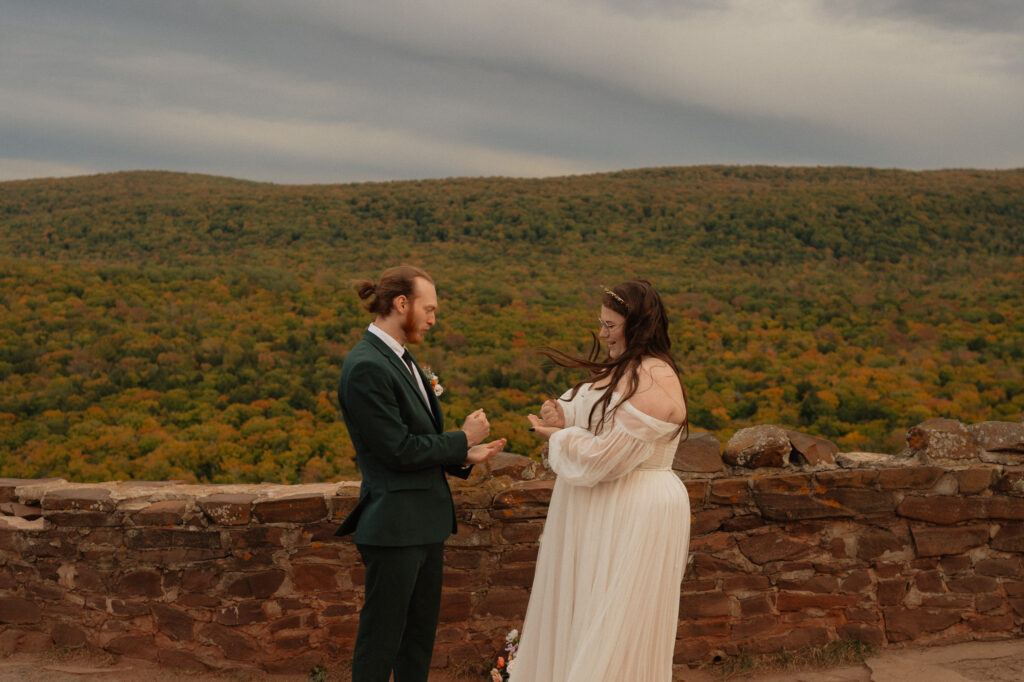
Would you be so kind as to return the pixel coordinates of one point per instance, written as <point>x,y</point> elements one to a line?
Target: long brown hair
<point>394,282</point>
<point>646,333</point>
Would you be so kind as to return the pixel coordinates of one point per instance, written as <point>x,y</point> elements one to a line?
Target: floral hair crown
<point>615,296</point>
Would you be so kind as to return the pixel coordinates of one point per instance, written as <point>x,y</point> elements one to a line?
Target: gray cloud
<point>317,91</point>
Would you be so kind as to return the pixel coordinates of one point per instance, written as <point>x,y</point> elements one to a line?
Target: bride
<point>605,597</point>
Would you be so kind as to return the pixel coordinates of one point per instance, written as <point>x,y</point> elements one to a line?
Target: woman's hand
<point>551,413</point>
<point>541,427</point>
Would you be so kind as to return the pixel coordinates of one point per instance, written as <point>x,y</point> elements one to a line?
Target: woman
<point>605,598</point>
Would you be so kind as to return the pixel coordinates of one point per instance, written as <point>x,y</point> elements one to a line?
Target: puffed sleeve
<point>582,458</point>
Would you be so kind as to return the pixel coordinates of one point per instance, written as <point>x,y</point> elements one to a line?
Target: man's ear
<point>401,303</point>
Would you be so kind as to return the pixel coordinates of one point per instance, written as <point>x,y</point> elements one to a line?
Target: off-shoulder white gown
<point>605,600</point>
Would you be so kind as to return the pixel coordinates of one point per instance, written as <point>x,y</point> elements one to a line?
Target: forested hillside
<point>159,325</point>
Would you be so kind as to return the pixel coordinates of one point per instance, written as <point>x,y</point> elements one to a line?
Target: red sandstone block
<point>226,509</point>
<point>984,603</point>
<point>697,491</point>
<point>78,499</point>
<point>856,582</point>
<point>939,541</point>
<point>799,484</point>
<point>710,520</point>
<point>259,585</point>
<point>175,624</point>
<point>745,583</point>
<point>527,493</point>
<point>977,584</point>
<point>732,491</point>
<point>456,606</point>
<point>706,566</point>
<point>120,607</point>
<point>845,478</point>
<point>954,565</point>
<point>341,505</point>
<point>761,549</point>
<point>526,531</point>
<point>862,615</point>
<point>18,610</point>
<point>1011,481</point>
<point>139,584</point>
<point>744,522</point>
<point>703,628</point>
<point>891,592</point>
<point>797,507</point>
<point>513,576</point>
<point>256,536</point>
<point>755,606</point>
<point>692,585</point>
<point>866,504</point>
<point>148,538</point>
<point>930,581</point>
<point>233,644</point>
<point>691,651</point>
<point>817,583</point>
<point>796,601</point>
<point>974,481</point>
<point>861,632</point>
<point>872,544</point>
<point>166,513</point>
<point>312,578</point>
<point>751,626</point>
<point>697,606</point>
<point>304,508</point>
<point>794,638</point>
<point>243,613</point>
<point>948,601</point>
<point>34,643</point>
<point>1001,568</point>
<point>470,536</point>
<point>909,477</point>
<point>504,603</point>
<point>133,646</point>
<point>994,623</point>
<point>902,624</point>
<point>82,518</point>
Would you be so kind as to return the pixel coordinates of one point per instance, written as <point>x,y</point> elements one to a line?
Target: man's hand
<point>552,415</point>
<point>476,427</point>
<point>482,453</point>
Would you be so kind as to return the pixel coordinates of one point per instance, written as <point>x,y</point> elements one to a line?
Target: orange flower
<point>501,662</point>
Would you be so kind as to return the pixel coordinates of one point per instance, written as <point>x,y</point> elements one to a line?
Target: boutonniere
<point>435,385</point>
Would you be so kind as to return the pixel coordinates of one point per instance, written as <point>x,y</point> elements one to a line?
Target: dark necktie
<point>407,356</point>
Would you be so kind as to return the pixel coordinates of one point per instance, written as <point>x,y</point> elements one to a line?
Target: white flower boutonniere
<point>435,385</point>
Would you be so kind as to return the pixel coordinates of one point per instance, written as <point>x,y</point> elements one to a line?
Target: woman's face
<point>613,331</point>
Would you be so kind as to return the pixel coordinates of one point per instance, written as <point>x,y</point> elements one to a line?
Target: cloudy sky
<point>324,91</point>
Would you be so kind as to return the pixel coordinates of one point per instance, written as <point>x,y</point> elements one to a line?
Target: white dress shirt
<point>399,350</point>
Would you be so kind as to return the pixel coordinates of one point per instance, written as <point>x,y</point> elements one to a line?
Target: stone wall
<point>921,547</point>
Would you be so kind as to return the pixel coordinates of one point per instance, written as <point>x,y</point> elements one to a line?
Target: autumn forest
<point>164,326</point>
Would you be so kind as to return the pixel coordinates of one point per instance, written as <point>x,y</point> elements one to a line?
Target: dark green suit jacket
<point>401,450</point>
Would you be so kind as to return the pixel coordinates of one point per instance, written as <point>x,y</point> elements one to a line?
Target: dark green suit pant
<point>399,617</point>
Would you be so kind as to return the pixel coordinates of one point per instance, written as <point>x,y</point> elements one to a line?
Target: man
<point>405,509</point>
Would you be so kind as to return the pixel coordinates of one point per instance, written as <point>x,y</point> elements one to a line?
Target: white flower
<point>435,385</point>
<point>512,636</point>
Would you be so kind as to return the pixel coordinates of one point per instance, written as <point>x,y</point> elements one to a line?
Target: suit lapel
<point>402,369</point>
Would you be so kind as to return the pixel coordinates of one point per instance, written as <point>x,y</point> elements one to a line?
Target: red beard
<point>412,332</point>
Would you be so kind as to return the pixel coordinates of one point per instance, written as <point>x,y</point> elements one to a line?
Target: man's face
<point>420,311</point>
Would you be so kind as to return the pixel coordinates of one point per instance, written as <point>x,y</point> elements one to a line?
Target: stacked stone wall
<point>883,549</point>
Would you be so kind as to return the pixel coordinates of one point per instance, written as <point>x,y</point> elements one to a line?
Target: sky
<point>337,91</point>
